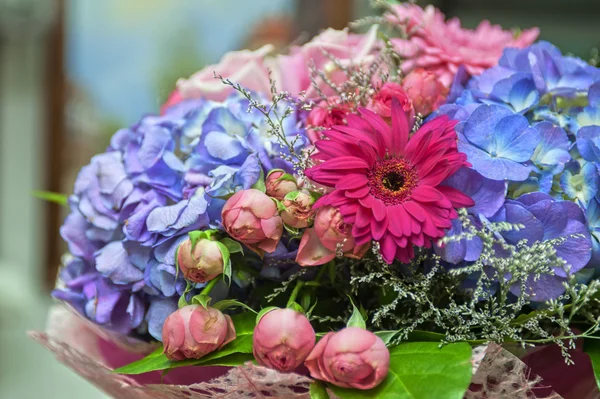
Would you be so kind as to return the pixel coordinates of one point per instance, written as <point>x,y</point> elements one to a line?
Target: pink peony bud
<point>298,209</point>
<point>282,339</point>
<point>201,263</point>
<point>425,90</point>
<point>280,183</point>
<point>329,236</point>
<point>324,116</point>
<point>350,358</point>
<point>381,103</point>
<point>251,217</point>
<point>194,331</point>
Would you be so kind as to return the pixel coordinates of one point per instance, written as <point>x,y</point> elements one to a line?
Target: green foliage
<point>592,348</point>
<point>318,391</point>
<point>356,319</point>
<point>57,198</point>
<point>260,183</point>
<point>423,295</point>
<point>421,370</point>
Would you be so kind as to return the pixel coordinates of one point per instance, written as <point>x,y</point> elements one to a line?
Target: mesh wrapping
<point>497,373</point>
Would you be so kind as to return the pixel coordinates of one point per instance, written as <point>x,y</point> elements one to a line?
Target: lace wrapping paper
<point>497,373</point>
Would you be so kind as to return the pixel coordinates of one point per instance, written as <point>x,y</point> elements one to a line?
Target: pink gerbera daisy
<point>389,185</point>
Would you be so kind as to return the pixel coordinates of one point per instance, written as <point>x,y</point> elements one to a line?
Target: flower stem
<point>206,290</point>
<point>295,292</point>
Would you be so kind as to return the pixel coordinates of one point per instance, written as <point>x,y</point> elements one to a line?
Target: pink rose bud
<point>324,116</point>
<point>330,236</point>
<point>194,331</point>
<point>350,358</point>
<point>381,103</point>
<point>283,339</point>
<point>280,183</point>
<point>251,218</point>
<point>425,90</point>
<point>298,209</point>
<point>201,263</point>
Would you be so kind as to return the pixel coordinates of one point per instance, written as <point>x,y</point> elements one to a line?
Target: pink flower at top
<point>388,185</point>
<point>381,103</point>
<point>441,46</point>
<point>292,72</point>
<point>425,90</point>
<point>244,67</point>
<point>324,116</point>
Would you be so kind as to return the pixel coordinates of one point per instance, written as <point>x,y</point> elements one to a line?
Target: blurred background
<point>73,71</point>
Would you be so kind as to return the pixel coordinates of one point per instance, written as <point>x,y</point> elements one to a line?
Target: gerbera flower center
<point>392,180</point>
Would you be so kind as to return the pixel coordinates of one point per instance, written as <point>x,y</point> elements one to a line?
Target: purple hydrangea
<point>158,180</point>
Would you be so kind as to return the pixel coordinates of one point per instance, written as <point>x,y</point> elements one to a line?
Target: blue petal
<point>113,262</point>
<point>494,168</point>
<point>554,145</point>
<point>158,312</point>
<point>517,214</point>
<point>487,194</point>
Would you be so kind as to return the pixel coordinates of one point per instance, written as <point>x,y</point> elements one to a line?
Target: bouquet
<point>411,212</point>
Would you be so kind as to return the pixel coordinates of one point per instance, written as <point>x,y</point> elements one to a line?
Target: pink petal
<point>458,199</point>
<point>352,181</point>
<point>360,192</point>
<point>400,129</point>
<point>415,210</point>
<point>311,251</point>
<point>388,248</point>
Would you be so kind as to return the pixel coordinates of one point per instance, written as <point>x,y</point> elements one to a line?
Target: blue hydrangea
<point>161,178</point>
<point>533,123</point>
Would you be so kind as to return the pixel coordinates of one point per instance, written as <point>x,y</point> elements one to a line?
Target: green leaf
<point>153,361</point>
<point>280,206</point>
<point>592,348</point>
<point>201,299</point>
<point>331,272</point>
<point>421,370</point>
<point>196,236</point>
<point>57,198</point>
<point>182,301</point>
<point>234,353</point>
<point>318,391</point>
<point>295,306</point>
<point>287,177</point>
<point>264,312</point>
<point>231,303</point>
<point>226,260</point>
<point>356,320</point>
<point>260,183</point>
<point>232,245</point>
<point>292,195</point>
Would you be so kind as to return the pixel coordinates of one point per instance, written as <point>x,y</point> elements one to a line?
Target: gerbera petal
<point>344,164</point>
<point>351,181</point>
<point>378,229</point>
<point>400,129</point>
<point>426,194</point>
<point>400,221</point>
<point>377,206</point>
<point>388,248</point>
<point>359,192</point>
<point>384,138</point>
<point>415,210</point>
<point>458,199</point>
